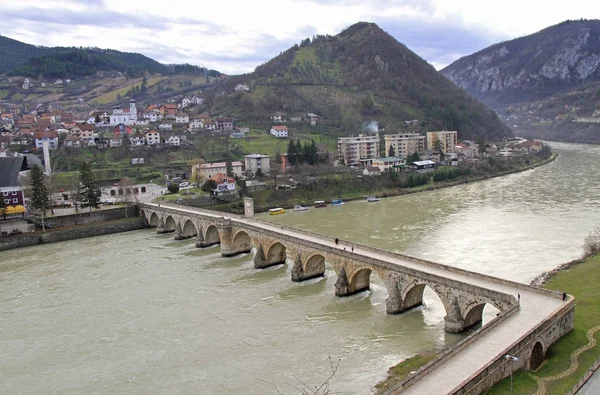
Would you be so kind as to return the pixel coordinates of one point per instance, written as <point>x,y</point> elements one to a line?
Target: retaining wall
<point>84,217</point>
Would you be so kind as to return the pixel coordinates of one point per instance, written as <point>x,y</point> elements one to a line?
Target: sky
<point>235,36</point>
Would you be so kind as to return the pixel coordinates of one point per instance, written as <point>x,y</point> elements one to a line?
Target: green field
<point>111,97</point>
<point>261,142</point>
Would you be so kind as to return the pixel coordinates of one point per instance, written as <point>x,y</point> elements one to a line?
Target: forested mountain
<point>14,53</point>
<point>546,83</point>
<point>23,59</point>
<point>71,62</point>
<point>362,73</point>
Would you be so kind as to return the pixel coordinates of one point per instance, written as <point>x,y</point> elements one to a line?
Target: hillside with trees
<point>361,74</point>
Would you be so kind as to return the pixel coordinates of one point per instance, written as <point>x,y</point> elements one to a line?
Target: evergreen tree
<point>299,152</point>
<point>89,191</point>
<point>391,152</point>
<point>40,199</point>
<point>291,153</point>
<point>414,157</point>
<point>229,167</point>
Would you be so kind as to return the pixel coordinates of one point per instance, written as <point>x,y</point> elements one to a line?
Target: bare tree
<point>591,244</point>
<point>305,389</point>
<point>129,197</point>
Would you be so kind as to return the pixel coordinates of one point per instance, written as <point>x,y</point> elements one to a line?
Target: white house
<point>152,137</point>
<point>152,116</point>
<point>224,183</point>
<point>137,140</point>
<point>165,126</point>
<point>124,116</point>
<point>279,117</point>
<point>241,88</point>
<point>197,124</point>
<point>182,118</point>
<point>196,101</point>
<point>115,141</point>
<point>279,131</point>
<point>50,135</point>
<point>173,141</point>
<point>185,102</point>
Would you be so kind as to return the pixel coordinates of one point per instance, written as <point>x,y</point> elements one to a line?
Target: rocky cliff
<point>548,76</point>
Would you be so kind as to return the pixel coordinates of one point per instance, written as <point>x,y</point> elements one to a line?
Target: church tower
<point>132,110</point>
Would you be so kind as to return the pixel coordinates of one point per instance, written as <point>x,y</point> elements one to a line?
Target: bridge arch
<point>189,229</point>
<point>314,264</point>
<point>211,235</point>
<point>474,313</point>
<point>276,254</point>
<point>537,356</point>
<point>360,280</point>
<point>170,224</point>
<point>241,241</point>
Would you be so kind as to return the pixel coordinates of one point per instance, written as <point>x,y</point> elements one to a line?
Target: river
<point>139,312</point>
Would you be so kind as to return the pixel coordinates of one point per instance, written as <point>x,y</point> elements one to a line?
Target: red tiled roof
<point>280,128</point>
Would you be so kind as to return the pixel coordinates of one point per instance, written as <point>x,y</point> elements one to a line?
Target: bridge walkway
<point>534,309</point>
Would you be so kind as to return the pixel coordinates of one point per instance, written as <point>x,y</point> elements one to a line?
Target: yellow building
<point>404,143</point>
<point>448,140</point>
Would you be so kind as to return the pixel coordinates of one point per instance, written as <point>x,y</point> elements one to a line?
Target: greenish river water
<point>140,313</point>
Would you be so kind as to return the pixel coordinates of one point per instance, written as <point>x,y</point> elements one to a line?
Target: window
<point>5,193</point>
<point>14,193</point>
<point>7,201</point>
<point>15,200</point>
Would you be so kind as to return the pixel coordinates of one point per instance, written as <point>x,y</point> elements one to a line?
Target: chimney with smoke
<point>371,127</point>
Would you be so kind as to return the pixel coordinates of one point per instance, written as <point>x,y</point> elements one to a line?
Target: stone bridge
<point>464,294</point>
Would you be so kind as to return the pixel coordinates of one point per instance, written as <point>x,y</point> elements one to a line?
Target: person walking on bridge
<point>337,241</point>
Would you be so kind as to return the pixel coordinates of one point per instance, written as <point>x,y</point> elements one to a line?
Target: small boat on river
<point>337,202</point>
<point>320,203</point>
<point>275,211</point>
<point>372,199</point>
<point>300,208</point>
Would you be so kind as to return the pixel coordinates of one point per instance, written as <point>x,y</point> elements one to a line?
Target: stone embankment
<point>76,226</point>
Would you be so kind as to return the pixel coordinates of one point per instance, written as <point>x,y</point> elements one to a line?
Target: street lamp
<point>511,359</point>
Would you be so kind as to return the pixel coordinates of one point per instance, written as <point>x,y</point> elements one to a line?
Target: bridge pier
<point>315,267</point>
<point>178,235</point>
<point>344,288</point>
<point>453,321</point>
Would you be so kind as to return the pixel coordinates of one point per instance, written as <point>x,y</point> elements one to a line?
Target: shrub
<point>173,187</point>
<point>591,245</point>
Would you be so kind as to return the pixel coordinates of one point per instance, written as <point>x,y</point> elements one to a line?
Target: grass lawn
<point>398,372</point>
<point>582,282</point>
<point>261,142</point>
<point>111,97</point>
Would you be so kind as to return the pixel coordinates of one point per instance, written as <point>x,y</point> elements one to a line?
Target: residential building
<point>87,135</point>
<point>256,162</point>
<point>241,88</point>
<point>152,137</point>
<point>185,102</point>
<point>224,183</point>
<point>168,109</point>
<point>165,126</point>
<point>355,149</point>
<point>123,130</point>
<point>115,141</point>
<point>393,163</point>
<point>279,131</point>
<point>208,170</point>
<point>137,139</point>
<point>224,124</point>
<point>371,171</point>
<point>72,141</point>
<point>127,116</point>
<point>310,118</point>
<point>196,100</point>
<point>10,187</point>
<point>423,166</point>
<point>279,117</point>
<point>196,124</point>
<point>173,141</point>
<point>448,140</point>
<point>50,135</point>
<point>182,118</point>
<point>404,144</point>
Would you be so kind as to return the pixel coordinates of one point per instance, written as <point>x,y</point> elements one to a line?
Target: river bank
<point>71,233</point>
<point>289,199</point>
